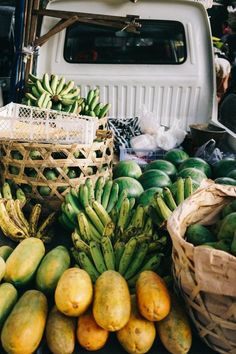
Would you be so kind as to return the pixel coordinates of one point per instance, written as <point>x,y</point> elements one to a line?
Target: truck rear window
<point>159,42</point>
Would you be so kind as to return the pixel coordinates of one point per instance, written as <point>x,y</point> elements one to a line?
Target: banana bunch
<point>92,107</point>
<point>52,92</point>
<point>6,192</point>
<point>17,227</point>
<point>129,258</point>
<point>163,204</point>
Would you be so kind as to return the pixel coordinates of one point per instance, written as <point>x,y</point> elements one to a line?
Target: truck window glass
<point>159,42</point>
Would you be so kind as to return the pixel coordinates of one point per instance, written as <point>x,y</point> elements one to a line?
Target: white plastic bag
<point>148,122</point>
<point>143,142</point>
<point>171,138</point>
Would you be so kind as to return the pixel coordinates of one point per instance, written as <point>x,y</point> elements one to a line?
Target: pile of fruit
<point>52,92</point>
<point>80,312</point>
<point>16,225</point>
<point>221,235</point>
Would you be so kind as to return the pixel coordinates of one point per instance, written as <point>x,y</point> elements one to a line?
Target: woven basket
<point>206,277</point>
<point>26,163</point>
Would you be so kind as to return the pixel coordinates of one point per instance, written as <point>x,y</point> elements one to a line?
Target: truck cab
<point>166,65</point>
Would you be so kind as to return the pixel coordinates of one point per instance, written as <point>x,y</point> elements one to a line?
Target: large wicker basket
<point>206,277</point>
<point>25,164</point>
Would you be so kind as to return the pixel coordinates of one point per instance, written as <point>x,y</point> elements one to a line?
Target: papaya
<point>22,264</point>
<point>174,330</point>
<point>5,251</point>
<point>51,268</point>
<point>111,305</point>
<point>24,327</point>
<point>153,297</point>
<point>89,334</point>
<point>2,268</point>
<point>138,335</point>
<point>74,292</point>
<point>60,332</point>
<point>8,298</point>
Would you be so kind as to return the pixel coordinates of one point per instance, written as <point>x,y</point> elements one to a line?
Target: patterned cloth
<point>123,130</point>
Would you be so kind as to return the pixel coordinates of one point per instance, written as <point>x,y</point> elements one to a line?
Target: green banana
<point>164,210</point>
<point>86,264</point>
<point>35,91</point>
<point>31,97</point>
<point>83,195</point>
<point>49,105</point>
<point>169,199</point>
<point>41,99</point>
<point>148,227</point>
<point>137,221</point>
<point>94,219</point>
<point>67,102</point>
<point>127,255</point>
<point>46,83</point>
<point>46,101</point>
<point>90,96</point>
<point>60,85</point>
<point>104,110</point>
<point>12,212</point>
<point>114,214</point>
<point>97,109</point>
<point>57,106</point>
<point>89,184</point>
<point>66,222</point>
<point>91,114</point>
<point>155,215</point>
<point>21,196</point>
<point>40,87</point>
<point>72,94</point>
<point>79,244</point>
<point>179,190</point>
<point>96,91</point>
<point>123,216</point>
<point>188,187</point>
<point>113,196</point>
<point>94,234</point>
<point>99,188</point>
<point>137,261</point>
<point>54,83</point>
<point>106,193</point>
<point>122,195</point>
<point>101,213</point>
<point>74,202</point>
<point>97,256</point>
<point>108,253</point>
<point>93,103</point>
<point>32,77</point>
<point>67,88</point>
<point>6,191</point>
<point>74,107</point>
<point>119,248</point>
<point>84,227</point>
<point>152,263</point>
<point>69,212</point>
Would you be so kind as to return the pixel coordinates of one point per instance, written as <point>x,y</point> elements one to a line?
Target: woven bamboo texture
<point>206,277</point>
<point>26,165</point>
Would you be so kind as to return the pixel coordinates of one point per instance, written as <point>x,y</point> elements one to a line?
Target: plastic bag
<point>148,122</point>
<point>209,152</point>
<point>171,138</point>
<point>143,142</point>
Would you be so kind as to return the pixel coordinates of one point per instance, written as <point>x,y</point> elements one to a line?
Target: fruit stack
<point>52,92</point>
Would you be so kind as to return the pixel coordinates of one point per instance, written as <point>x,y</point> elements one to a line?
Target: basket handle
<point>104,134</point>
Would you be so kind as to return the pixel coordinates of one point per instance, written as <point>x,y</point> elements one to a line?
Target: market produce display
<point>52,92</point>
<point>112,271</point>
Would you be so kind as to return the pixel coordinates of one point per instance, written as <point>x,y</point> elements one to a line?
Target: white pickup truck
<point>166,66</point>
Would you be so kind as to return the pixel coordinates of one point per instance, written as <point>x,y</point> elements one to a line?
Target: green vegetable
<point>198,234</point>
<point>199,164</point>
<point>163,165</point>
<point>176,156</point>
<point>227,227</point>
<point>127,168</point>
